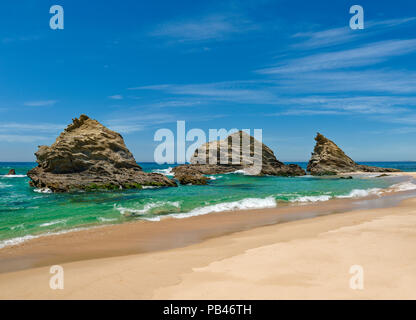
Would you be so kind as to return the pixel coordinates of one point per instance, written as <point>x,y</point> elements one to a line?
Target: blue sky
<point>291,68</point>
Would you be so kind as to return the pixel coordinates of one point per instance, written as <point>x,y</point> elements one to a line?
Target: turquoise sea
<point>26,212</point>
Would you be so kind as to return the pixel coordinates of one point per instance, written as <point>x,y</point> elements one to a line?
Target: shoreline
<point>139,237</point>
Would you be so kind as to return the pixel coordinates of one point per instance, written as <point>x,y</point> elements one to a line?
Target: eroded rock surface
<point>328,159</point>
<point>89,156</point>
<point>224,149</point>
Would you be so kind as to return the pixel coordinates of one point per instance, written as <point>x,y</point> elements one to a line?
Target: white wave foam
<point>311,198</point>
<point>19,240</point>
<point>248,203</point>
<point>19,226</point>
<point>403,186</point>
<point>15,241</point>
<point>165,172</point>
<point>360,193</point>
<point>156,218</point>
<point>147,207</point>
<point>241,171</point>
<point>102,219</point>
<point>214,177</point>
<point>47,224</point>
<point>2,186</point>
<point>43,190</point>
<point>14,176</point>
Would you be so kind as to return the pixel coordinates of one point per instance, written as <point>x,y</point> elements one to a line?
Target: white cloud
<point>22,138</point>
<point>230,91</point>
<point>363,56</point>
<point>384,81</point>
<point>116,97</point>
<point>45,127</point>
<point>328,105</point>
<point>127,128</point>
<point>335,36</point>
<point>41,103</point>
<point>214,27</point>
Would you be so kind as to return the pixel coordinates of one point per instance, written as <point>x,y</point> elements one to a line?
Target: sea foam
<point>47,224</point>
<point>43,190</point>
<point>323,197</point>
<point>147,207</point>
<point>403,186</point>
<point>360,193</point>
<point>248,203</point>
<point>14,176</point>
<point>19,240</point>
<point>165,172</point>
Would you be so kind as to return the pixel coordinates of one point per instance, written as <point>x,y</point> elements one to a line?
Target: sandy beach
<point>262,256</point>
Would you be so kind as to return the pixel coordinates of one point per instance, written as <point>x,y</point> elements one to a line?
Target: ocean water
<point>26,212</point>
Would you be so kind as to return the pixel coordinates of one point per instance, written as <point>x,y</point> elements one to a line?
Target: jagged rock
<point>383,175</point>
<point>224,149</point>
<point>89,156</point>
<point>194,179</point>
<point>11,172</point>
<point>328,159</point>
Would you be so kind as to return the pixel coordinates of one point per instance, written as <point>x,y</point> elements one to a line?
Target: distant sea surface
<point>27,213</point>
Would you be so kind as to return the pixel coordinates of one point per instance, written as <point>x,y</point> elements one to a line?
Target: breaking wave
<point>43,190</point>
<point>311,198</point>
<point>248,203</point>
<point>403,186</point>
<point>165,172</point>
<point>147,208</point>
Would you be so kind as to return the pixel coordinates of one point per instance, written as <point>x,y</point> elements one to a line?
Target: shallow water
<point>25,213</point>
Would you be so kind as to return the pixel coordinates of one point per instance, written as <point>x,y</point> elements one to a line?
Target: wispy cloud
<point>340,35</point>
<point>40,103</point>
<point>175,103</point>
<point>126,128</point>
<point>364,105</point>
<point>22,138</point>
<point>138,121</point>
<point>19,38</point>
<point>44,127</point>
<point>382,80</point>
<point>134,121</point>
<point>363,56</point>
<point>214,27</point>
<point>116,97</point>
<point>231,91</point>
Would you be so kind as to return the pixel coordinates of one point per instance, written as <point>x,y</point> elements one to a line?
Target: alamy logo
<point>357,20</point>
<point>232,147</point>
<point>357,280</point>
<point>57,20</point>
<point>57,280</point>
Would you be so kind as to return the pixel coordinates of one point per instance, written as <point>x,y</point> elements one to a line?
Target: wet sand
<point>230,255</point>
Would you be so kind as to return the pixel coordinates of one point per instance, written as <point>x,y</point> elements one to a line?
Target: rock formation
<point>328,159</point>
<point>11,172</point>
<point>191,178</point>
<point>89,156</point>
<point>224,149</point>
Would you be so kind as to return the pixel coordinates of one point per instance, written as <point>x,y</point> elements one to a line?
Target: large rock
<point>192,178</point>
<point>89,156</point>
<point>223,149</point>
<point>328,159</point>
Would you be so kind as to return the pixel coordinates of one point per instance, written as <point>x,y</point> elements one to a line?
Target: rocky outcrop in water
<point>192,178</point>
<point>11,172</point>
<point>224,149</point>
<point>328,159</point>
<point>89,156</point>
